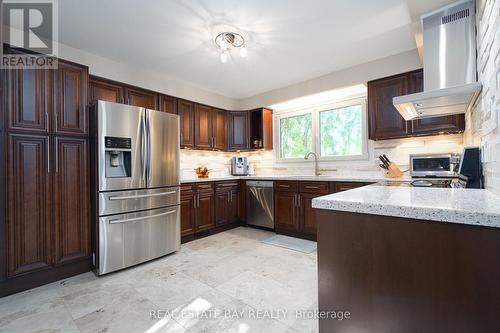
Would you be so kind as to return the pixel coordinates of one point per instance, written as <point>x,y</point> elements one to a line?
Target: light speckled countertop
<point>326,178</point>
<point>466,206</point>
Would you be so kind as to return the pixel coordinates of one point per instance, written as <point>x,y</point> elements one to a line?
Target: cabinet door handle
<point>56,149</point>
<point>198,204</point>
<point>215,141</point>
<point>284,186</point>
<point>298,200</point>
<point>313,187</point>
<point>231,193</point>
<point>48,155</point>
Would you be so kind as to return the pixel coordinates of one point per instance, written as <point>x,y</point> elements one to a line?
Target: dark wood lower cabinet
<point>285,211</point>
<point>205,211</point>
<point>226,206</point>
<point>293,212</point>
<point>47,210</point>
<point>398,274</point>
<point>208,208</point>
<point>187,215</point>
<point>71,194</point>
<point>28,227</point>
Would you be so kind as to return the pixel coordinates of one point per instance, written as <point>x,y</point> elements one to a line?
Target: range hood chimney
<point>450,78</point>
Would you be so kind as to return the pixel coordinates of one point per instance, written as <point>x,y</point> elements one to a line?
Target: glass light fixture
<point>223,56</point>
<point>227,41</point>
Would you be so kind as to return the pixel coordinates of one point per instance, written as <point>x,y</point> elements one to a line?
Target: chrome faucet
<point>316,169</point>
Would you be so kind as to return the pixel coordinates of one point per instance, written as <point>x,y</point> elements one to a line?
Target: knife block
<point>393,171</point>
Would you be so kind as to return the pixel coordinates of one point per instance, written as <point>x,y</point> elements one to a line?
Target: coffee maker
<point>239,166</point>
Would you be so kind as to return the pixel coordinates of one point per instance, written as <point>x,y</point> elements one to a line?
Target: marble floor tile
<point>49,315</point>
<point>266,294</point>
<point>169,293</point>
<point>131,315</point>
<point>232,273</point>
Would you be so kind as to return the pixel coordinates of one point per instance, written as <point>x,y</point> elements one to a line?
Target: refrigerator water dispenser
<point>118,157</point>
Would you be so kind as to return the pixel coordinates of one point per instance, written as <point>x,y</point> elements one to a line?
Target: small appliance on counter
<point>239,166</point>
<point>433,165</point>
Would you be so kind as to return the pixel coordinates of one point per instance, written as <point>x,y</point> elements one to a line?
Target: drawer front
<point>286,186</point>
<point>346,186</point>
<point>130,201</point>
<point>204,186</point>
<point>129,239</point>
<point>227,185</point>
<point>313,187</point>
<point>187,190</point>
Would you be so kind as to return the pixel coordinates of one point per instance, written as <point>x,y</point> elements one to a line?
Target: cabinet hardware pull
<point>285,186</point>
<point>138,196</point>
<point>215,141</point>
<point>313,187</point>
<point>57,155</point>
<point>228,185</point>
<point>205,186</point>
<point>48,155</point>
<point>140,218</point>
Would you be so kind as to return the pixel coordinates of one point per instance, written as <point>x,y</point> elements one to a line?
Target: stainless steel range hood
<point>450,78</point>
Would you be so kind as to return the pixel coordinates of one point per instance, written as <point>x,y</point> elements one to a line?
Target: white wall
<point>395,64</point>
<point>144,78</point>
<point>483,122</point>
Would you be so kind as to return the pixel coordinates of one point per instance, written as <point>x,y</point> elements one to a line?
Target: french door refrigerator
<point>137,195</point>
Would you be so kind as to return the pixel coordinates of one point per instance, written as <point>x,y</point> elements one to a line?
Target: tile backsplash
<point>265,162</point>
<point>483,121</point>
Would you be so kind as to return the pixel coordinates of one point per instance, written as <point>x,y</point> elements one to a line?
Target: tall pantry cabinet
<point>44,157</point>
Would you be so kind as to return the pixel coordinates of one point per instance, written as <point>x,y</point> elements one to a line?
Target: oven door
<point>431,166</point>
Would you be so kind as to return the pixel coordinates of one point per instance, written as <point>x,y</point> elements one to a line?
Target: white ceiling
<point>289,41</point>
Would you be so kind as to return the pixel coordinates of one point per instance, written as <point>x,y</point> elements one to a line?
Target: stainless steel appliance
<point>137,157</point>
<point>260,203</point>
<point>239,166</point>
<point>450,79</point>
<point>433,165</point>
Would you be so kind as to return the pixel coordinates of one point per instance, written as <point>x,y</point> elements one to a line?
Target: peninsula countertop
<point>467,206</point>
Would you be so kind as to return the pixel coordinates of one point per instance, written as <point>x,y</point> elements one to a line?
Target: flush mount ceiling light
<point>227,41</point>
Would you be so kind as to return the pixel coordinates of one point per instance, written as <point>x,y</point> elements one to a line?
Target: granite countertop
<point>467,206</point>
<point>363,179</point>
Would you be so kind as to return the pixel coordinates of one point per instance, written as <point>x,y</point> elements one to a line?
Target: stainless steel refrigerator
<point>137,185</point>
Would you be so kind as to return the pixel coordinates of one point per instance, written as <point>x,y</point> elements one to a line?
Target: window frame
<point>314,111</point>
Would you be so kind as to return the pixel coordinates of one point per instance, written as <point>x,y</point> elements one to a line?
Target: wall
<point>483,121</point>
<point>144,78</point>
<point>395,64</point>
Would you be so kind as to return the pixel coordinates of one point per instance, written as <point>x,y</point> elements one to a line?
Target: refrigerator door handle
<point>148,131</point>
<point>144,156</point>
<point>138,196</point>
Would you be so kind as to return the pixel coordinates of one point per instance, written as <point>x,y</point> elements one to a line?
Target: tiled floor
<point>229,282</point>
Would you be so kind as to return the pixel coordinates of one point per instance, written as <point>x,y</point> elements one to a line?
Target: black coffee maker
<point>470,170</point>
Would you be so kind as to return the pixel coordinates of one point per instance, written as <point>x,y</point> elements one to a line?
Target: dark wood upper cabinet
<point>238,130</point>
<point>71,199</point>
<point>261,129</point>
<point>219,129</point>
<point>105,91</point>
<point>70,98</point>
<point>203,137</point>
<point>27,99</point>
<point>186,118</point>
<point>435,125</point>
<point>385,122</point>
<point>143,98</point>
<point>28,204</point>
<point>168,104</point>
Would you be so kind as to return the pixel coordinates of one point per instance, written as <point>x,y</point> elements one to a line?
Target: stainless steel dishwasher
<point>260,203</point>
